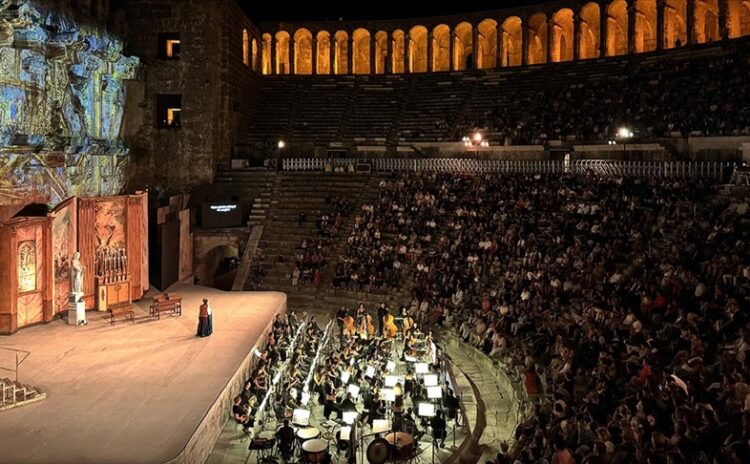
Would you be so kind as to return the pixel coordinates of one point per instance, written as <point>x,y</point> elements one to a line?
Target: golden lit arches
<point>645,25</point>
<point>487,44</point>
<point>361,51</point>
<point>562,35</point>
<point>418,49</point>
<point>399,50</point>
<point>675,24</point>
<point>254,59</point>
<point>303,53</point>
<point>617,28</point>
<point>463,47</point>
<point>738,18</point>
<point>245,47</point>
<point>706,21</point>
<point>441,48</point>
<point>341,55</point>
<point>589,32</point>
<point>537,37</point>
<point>282,52</point>
<point>381,51</point>
<point>512,42</point>
<point>323,53</point>
<point>266,54</point>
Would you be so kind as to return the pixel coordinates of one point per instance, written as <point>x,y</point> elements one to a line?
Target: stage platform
<point>143,392</point>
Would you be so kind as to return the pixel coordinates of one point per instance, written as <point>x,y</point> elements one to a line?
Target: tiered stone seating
<point>14,393</point>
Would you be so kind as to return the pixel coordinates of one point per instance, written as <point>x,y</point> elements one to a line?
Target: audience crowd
<point>624,301</point>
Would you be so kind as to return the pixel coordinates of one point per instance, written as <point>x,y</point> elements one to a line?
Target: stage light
<point>281,144</point>
<point>381,425</point>
<point>434,393</point>
<point>426,410</point>
<point>624,133</point>
<point>430,380</point>
<point>476,137</point>
<point>422,368</point>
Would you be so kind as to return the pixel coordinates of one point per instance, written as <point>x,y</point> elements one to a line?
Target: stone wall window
<point>169,111</point>
<point>169,46</point>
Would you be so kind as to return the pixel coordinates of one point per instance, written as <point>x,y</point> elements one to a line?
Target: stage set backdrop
<point>36,281</point>
<point>63,89</point>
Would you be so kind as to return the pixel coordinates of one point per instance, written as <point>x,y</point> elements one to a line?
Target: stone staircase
<point>14,394</point>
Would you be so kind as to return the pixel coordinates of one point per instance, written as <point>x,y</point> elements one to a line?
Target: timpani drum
<point>315,450</point>
<point>307,433</point>
<point>402,444</point>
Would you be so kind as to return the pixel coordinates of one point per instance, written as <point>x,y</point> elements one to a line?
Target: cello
<point>349,329</point>
<point>389,327</point>
<point>370,326</point>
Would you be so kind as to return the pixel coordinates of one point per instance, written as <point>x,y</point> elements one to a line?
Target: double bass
<point>349,329</point>
<point>389,327</point>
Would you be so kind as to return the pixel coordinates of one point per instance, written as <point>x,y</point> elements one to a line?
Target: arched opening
<point>254,59</point>
<point>675,30</point>
<point>418,49</point>
<point>381,51</point>
<point>218,267</point>
<point>537,38</point>
<point>487,44</point>
<point>589,30</point>
<point>562,35</point>
<point>645,25</point>
<point>282,52</point>
<point>399,50</point>
<point>706,21</point>
<point>512,42</point>
<point>361,52</point>
<point>738,18</point>
<point>303,54</point>
<point>463,57</point>
<point>441,48</point>
<point>617,28</point>
<point>341,56</point>
<point>245,47</point>
<point>266,58</point>
<point>323,53</point>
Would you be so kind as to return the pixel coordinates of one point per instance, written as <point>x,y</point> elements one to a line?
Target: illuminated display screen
<point>221,215</point>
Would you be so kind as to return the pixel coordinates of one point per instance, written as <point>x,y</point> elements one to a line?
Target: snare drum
<point>315,450</point>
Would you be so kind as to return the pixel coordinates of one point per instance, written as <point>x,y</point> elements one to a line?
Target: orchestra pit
<point>236,233</point>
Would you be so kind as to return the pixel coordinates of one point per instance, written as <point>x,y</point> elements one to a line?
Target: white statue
<point>76,274</point>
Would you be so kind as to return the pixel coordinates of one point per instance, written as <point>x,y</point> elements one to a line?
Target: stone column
<point>631,27</point>
<point>550,34</point>
<point>723,11</point>
<point>373,53</point>
<point>274,50</point>
<point>430,51</point>
<point>475,46</point>
<point>331,54</point>
<point>690,21</point>
<point>603,22</point>
<point>524,42</point>
<point>350,55</point>
<point>292,57</point>
<point>660,24</point>
<point>451,49</point>
<point>314,53</point>
<point>389,55</point>
<point>576,36</point>
<point>500,52</point>
<point>406,54</point>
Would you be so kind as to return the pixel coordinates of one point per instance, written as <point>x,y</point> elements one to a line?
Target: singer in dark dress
<point>205,324</point>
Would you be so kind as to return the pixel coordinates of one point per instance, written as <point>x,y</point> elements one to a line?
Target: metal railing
<point>655,169</point>
<point>20,356</point>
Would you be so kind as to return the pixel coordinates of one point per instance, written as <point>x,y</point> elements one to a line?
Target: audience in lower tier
<point>624,302</point>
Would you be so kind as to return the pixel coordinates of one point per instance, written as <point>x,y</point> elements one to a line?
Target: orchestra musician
<point>408,325</point>
<point>260,380</point>
<point>239,412</point>
<point>330,400</point>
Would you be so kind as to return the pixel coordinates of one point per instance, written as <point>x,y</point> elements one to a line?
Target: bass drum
<point>378,450</point>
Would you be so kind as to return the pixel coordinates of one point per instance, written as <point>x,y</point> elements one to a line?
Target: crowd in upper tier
<point>628,297</point>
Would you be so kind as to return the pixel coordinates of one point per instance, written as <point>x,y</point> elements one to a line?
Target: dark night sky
<point>353,10</point>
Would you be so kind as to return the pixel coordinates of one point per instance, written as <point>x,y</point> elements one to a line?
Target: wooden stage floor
<point>132,393</point>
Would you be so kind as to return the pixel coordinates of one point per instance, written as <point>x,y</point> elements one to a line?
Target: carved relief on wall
<point>26,266</point>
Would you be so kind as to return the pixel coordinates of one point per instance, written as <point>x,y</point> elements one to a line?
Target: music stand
<point>391,381</point>
<point>353,389</point>
<point>390,366</point>
<point>345,375</point>
<point>430,380</point>
<point>422,368</point>
<point>301,417</point>
<point>349,417</point>
<point>428,410</point>
<point>305,398</point>
<point>380,425</point>
<point>388,394</point>
<point>434,392</point>
<point>370,372</point>
<point>410,359</point>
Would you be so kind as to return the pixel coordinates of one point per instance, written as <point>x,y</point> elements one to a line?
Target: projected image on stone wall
<point>62,96</point>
